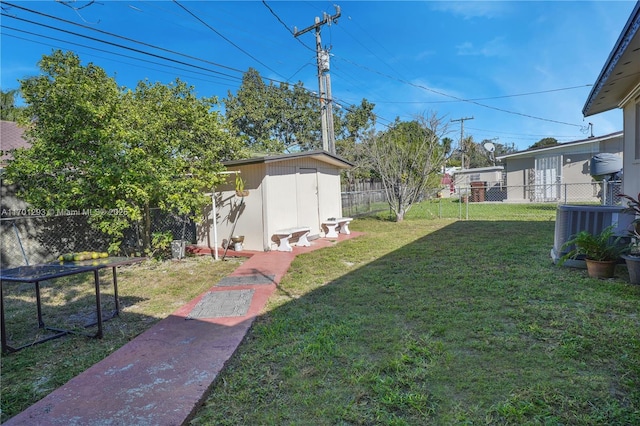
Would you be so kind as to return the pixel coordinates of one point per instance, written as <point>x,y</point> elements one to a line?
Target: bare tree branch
<point>408,158</point>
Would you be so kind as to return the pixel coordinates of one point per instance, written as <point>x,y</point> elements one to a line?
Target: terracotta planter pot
<point>633,266</point>
<point>601,269</point>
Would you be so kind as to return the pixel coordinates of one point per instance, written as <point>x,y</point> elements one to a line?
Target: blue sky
<point>522,70</point>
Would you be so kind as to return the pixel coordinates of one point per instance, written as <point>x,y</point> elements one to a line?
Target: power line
<point>228,78</point>
<point>285,25</point>
<point>491,98</point>
<point>137,41</point>
<point>461,99</point>
<point>112,35</point>
<point>124,38</point>
<point>226,39</point>
<point>115,44</point>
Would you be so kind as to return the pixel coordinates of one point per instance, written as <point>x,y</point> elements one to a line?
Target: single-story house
<point>285,191</point>
<point>538,174</point>
<point>11,137</point>
<point>464,177</point>
<point>480,184</point>
<point>618,86</point>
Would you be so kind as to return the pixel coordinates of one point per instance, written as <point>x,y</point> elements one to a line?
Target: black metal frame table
<point>37,273</point>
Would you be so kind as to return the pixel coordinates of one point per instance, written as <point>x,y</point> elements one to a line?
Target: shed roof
<point>11,137</point>
<point>319,155</point>
<point>561,146</point>
<point>619,75</point>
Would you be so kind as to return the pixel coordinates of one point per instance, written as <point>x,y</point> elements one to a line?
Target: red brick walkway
<point>162,376</point>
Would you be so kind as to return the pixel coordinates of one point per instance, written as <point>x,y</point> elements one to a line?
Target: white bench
<point>335,225</point>
<point>284,235</point>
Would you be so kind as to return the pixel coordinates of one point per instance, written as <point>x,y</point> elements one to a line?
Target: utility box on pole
<point>324,81</point>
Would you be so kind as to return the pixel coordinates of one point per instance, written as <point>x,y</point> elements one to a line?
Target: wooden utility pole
<point>461,120</point>
<point>324,80</point>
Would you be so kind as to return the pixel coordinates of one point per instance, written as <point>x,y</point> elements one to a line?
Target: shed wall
<point>283,194</point>
<point>288,198</point>
<point>245,213</point>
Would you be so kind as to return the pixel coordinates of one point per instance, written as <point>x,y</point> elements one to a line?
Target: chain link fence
<point>604,192</point>
<point>30,237</point>
<point>359,203</point>
<point>482,200</point>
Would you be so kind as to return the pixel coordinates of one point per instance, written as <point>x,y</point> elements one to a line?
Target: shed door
<point>307,195</point>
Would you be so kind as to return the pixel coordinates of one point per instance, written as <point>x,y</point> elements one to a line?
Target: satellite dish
<point>489,146</point>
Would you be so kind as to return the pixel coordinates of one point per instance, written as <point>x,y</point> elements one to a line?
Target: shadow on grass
<point>415,323</point>
<point>419,324</point>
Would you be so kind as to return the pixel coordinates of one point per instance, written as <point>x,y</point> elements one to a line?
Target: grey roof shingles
<point>11,137</point>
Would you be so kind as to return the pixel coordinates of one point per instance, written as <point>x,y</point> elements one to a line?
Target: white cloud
<point>492,48</point>
<point>471,9</point>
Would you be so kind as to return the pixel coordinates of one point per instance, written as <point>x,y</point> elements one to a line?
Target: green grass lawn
<point>427,321</point>
<point>436,322</point>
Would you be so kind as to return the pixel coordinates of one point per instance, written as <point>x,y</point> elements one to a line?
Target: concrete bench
<point>284,235</point>
<point>334,225</point>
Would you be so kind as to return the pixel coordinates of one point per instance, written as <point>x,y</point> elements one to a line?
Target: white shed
<point>285,191</point>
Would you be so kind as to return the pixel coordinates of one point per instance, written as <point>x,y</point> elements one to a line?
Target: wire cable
<point>226,39</point>
<point>117,36</point>
<point>228,78</point>
<point>491,98</point>
<point>462,99</point>
<point>285,25</point>
<point>116,45</point>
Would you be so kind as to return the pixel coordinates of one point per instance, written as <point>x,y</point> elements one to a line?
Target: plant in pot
<point>240,191</point>
<point>632,257</point>
<point>600,252</point>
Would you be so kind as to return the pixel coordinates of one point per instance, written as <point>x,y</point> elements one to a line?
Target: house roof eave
<point>529,152</point>
<point>619,75</point>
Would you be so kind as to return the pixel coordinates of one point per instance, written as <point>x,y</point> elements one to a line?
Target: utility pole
<point>462,120</point>
<point>324,80</point>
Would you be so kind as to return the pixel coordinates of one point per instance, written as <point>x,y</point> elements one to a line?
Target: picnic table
<point>35,274</point>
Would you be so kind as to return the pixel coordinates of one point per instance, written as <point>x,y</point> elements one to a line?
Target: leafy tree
<point>174,144</point>
<point>298,121</point>
<point>8,109</point>
<point>476,155</point>
<point>248,113</point>
<point>408,157</point>
<point>115,153</point>
<point>464,152</point>
<point>544,143</point>
<point>272,118</point>
<point>277,118</point>
<point>504,149</point>
<point>353,127</point>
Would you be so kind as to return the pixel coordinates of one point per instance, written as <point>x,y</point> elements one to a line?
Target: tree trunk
<point>146,231</point>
